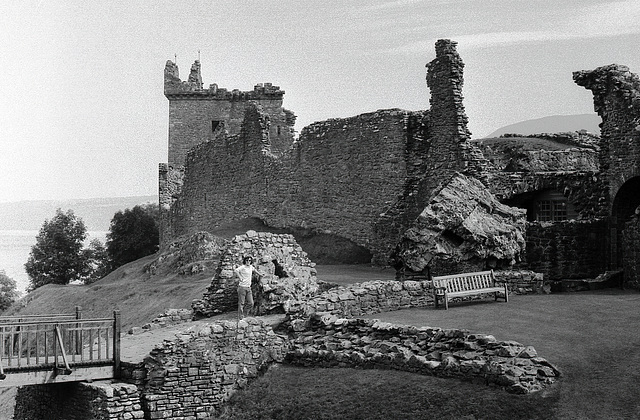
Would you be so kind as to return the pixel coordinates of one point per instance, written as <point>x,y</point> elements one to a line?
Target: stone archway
<point>625,203</point>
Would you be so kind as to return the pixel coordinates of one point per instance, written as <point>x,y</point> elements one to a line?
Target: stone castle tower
<point>197,115</point>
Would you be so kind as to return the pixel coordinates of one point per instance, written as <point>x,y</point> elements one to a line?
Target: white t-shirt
<point>244,273</point>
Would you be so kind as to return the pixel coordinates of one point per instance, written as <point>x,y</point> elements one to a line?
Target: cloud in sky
<point>603,20</point>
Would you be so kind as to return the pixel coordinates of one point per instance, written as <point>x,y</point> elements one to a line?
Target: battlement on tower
<point>175,88</point>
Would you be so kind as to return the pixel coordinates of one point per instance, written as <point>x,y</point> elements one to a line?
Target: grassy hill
<point>553,124</point>
<point>138,295</point>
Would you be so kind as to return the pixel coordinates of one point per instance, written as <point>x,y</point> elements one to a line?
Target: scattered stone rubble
<point>365,343</point>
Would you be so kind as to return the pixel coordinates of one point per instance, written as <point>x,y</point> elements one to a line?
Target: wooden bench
<point>467,284</point>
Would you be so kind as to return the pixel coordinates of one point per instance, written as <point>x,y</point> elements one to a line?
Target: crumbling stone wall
<point>379,296</point>
<point>572,249</point>
<point>288,275</point>
<point>104,400</point>
<point>631,253</point>
<point>365,343</point>
<point>616,98</point>
<point>192,376</point>
<point>335,179</point>
<point>363,178</point>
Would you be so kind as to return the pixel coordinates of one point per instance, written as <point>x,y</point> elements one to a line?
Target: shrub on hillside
<point>8,291</point>
<point>133,234</point>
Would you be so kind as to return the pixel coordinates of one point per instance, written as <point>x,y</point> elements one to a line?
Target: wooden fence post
<point>116,344</point>
<point>78,333</point>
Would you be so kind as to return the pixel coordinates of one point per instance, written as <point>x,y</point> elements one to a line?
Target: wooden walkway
<point>41,349</point>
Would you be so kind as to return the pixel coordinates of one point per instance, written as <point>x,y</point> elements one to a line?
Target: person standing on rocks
<point>245,296</point>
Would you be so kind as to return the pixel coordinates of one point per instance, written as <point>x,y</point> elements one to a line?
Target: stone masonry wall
<point>192,110</point>
<point>190,377</point>
<point>104,400</point>
<point>335,179</point>
<point>379,296</point>
<point>616,98</point>
<point>567,250</point>
<point>363,178</point>
<point>293,279</point>
<point>631,253</point>
<point>363,343</point>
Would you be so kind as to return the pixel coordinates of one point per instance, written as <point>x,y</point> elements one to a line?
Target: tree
<point>58,256</point>
<point>8,291</point>
<point>98,261</point>
<point>133,234</point>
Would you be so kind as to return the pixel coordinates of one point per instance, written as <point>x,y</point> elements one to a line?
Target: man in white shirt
<point>245,297</point>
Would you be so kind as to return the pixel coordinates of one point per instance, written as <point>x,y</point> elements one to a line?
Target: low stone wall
<point>366,343</point>
<point>191,376</point>
<point>383,296</point>
<point>104,400</point>
<point>365,298</point>
<point>521,281</point>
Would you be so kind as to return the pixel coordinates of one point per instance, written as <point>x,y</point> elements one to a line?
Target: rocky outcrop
<point>195,254</point>
<point>463,228</point>
<point>288,274</point>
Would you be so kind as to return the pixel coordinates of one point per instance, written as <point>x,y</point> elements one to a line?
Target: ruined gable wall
<point>616,97</point>
<point>441,147</point>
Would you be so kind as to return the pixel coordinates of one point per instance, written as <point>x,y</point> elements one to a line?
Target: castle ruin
<point>365,179</point>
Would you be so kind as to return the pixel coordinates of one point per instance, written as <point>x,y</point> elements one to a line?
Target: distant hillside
<point>553,124</point>
<point>95,212</point>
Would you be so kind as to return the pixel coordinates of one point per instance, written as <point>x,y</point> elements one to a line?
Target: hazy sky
<point>84,115</point>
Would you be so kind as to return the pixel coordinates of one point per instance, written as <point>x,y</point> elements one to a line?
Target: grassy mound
<point>138,295</point>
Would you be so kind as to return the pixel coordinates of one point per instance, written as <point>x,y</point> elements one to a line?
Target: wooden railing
<point>60,343</point>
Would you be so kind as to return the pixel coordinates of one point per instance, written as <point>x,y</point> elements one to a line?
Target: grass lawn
<point>592,337</point>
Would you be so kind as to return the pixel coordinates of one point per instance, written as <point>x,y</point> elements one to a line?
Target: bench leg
<point>446,302</point>
<point>506,293</point>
